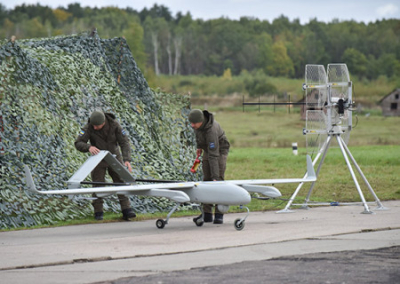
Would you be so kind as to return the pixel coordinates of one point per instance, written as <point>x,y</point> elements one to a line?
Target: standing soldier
<point>105,133</point>
<point>211,139</point>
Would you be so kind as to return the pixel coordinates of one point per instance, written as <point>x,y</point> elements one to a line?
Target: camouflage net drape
<point>48,89</point>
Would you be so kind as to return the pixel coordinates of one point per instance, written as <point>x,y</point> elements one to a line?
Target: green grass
<point>109,217</point>
<point>261,148</point>
<point>335,183</point>
<point>269,129</point>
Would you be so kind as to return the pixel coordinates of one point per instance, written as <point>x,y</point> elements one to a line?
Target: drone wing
<point>172,191</point>
<point>255,185</point>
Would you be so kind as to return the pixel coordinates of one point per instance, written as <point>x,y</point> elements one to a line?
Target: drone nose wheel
<point>160,223</point>
<point>199,222</point>
<point>239,224</point>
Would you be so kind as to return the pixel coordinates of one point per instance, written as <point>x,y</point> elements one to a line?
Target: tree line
<point>179,44</point>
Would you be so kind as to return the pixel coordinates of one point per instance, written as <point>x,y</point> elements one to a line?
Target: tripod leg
<point>341,142</point>
<point>286,209</point>
<point>325,151</point>
<point>291,199</point>
<point>378,202</point>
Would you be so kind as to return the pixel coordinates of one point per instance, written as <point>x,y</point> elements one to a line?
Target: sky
<point>358,10</point>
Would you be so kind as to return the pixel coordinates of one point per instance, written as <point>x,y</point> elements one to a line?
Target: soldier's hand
<point>128,165</point>
<point>94,150</point>
<point>199,151</point>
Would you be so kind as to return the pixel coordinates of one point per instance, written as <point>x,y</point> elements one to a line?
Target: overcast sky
<point>359,10</point>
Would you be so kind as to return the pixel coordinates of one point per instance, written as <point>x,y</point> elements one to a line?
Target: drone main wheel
<point>199,222</point>
<point>160,223</point>
<point>239,225</point>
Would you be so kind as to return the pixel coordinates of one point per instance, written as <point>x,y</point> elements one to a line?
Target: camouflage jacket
<point>110,137</point>
<point>212,139</point>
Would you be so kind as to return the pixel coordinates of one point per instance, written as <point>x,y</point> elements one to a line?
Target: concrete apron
<point>107,251</point>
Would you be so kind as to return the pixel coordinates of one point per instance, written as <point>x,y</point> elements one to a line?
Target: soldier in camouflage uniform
<point>212,142</point>
<point>105,133</point>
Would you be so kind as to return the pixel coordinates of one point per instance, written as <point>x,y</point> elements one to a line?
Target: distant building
<point>312,103</point>
<point>391,104</point>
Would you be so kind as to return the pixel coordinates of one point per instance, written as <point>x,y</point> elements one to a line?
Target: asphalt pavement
<point>333,244</point>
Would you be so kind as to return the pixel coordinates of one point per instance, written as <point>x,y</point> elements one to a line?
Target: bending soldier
<point>105,133</point>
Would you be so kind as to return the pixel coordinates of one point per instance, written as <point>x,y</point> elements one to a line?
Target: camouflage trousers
<point>99,175</point>
<point>208,208</point>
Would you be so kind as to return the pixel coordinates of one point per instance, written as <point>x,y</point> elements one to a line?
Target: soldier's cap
<point>196,116</point>
<point>97,118</point>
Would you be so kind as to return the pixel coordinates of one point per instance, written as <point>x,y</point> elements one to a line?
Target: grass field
<point>268,129</point>
<point>262,148</point>
<point>335,184</point>
<point>229,92</point>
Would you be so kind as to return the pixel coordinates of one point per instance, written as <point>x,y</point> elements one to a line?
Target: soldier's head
<point>97,120</point>
<point>196,118</point>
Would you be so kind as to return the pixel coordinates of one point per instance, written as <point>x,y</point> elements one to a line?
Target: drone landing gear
<point>199,221</point>
<point>160,223</point>
<point>240,222</point>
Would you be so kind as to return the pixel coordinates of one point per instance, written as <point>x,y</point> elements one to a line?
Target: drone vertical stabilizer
<point>29,180</point>
<point>311,176</point>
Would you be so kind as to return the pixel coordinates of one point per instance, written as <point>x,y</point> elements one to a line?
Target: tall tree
<point>282,65</point>
<point>181,45</point>
<point>156,12</point>
<point>194,48</point>
<point>3,13</point>
<point>134,37</point>
<point>76,10</point>
<point>179,33</point>
<point>356,62</point>
<point>265,43</point>
<point>389,65</point>
<point>8,28</point>
<point>152,28</point>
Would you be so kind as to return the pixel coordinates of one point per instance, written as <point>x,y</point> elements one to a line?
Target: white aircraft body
<point>223,193</point>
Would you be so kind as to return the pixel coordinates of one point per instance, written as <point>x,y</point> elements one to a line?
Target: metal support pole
<point>378,202</point>
<point>325,151</point>
<point>366,211</point>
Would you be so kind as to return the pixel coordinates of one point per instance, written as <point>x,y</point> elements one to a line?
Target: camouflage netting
<point>48,89</point>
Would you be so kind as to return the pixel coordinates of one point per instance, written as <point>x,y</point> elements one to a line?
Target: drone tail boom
<point>158,190</point>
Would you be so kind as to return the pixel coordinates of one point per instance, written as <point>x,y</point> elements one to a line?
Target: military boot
<point>127,214</point>
<point>208,218</point>
<point>98,216</point>
<point>219,218</point>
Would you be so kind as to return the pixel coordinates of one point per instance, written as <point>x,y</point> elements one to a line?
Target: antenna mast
<point>329,115</point>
